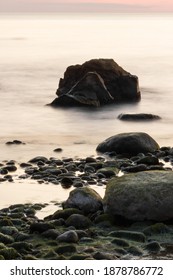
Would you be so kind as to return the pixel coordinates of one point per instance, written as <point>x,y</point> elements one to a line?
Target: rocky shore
<point>134,220</point>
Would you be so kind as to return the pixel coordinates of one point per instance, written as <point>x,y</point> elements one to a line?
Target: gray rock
<point>85,199</point>
<point>130,143</point>
<point>69,236</point>
<point>141,196</point>
<point>130,235</point>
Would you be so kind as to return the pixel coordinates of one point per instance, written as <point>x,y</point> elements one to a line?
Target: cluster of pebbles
<point>84,171</point>
<point>71,233</point>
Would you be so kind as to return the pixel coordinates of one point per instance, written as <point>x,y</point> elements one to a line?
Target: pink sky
<point>86,5</point>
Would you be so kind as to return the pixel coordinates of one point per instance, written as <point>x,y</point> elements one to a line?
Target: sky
<point>86,6</point>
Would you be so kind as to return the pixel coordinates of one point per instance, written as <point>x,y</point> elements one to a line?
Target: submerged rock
<point>138,117</point>
<point>141,196</point>
<point>130,143</point>
<point>95,83</point>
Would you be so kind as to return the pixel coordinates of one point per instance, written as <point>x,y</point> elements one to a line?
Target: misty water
<point>35,52</point>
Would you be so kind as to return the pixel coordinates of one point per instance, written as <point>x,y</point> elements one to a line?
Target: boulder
<point>95,83</point>
<point>85,199</point>
<point>130,143</point>
<point>146,195</point>
<point>138,117</point>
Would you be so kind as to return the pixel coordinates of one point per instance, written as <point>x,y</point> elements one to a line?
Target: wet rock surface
<point>95,83</point>
<point>38,239</point>
<point>130,143</point>
<point>138,117</point>
<point>83,228</point>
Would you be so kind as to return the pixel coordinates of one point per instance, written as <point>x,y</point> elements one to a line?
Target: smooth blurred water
<point>34,53</point>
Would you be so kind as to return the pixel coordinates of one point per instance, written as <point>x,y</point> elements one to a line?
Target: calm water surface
<point>35,51</point>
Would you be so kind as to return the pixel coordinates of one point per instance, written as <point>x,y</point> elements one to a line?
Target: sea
<point>36,49</point>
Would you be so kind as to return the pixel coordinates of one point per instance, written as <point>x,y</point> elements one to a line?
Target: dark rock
<point>130,143</point>
<point>153,247</point>
<point>40,227</point>
<point>78,221</point>
<point>58,150</point>
<point>134,168</point>
<point>130,235</point>
<point>6,239</point>
<point>11,168</point>
<point>103,256</point>
<point>66,182</point>
<point>96,82</point>
<point>120,242</point>
<point>9,254</point>
<point>38,158</point>
<point>158,228</point>
<point>138,117</point>
<point>51,233</point>
<point>63,249</point>
<point>65,213</point>
<point>85,199</point>
<point>14,142</point>
<point>149,160</point>
<point>135,251</point>
<point>141,196</point>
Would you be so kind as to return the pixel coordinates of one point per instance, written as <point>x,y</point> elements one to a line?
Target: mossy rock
<point>64,214</point>
<point>85,199</point>
<point>10,254</point>
<point>135,251</point>
<point>63,249</point>
<point>9,230</point>
<point>29,257</point>
<point>130,235</point>
<point>142,196</point>
<point>2,246</point>
<point>22,246</point>
<point>79,257</point>
<point>108,172</point>
<point>6,239</point>
<point>120,242</point>
<point>6,222</point>
<point>153,247</point>
<point>40,227</point>
<point>158,228</point>
<point>50,255</point>
<point>78,221</point>
<point>104,220</point>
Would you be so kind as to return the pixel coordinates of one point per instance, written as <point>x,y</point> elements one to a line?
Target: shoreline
<point>45,224</point>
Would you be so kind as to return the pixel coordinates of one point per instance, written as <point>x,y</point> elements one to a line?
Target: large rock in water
<point>130,143</point>
<point>96,82</point>
<point>141,196</point>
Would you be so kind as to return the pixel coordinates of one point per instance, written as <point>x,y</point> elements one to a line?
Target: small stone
<point>58,150</point>
<point>153,247</point>
<point>120,242</point>
<point>68,236</point>
<point>63,249</point>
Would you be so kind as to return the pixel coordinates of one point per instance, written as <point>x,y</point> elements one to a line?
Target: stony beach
<point>85,225</point>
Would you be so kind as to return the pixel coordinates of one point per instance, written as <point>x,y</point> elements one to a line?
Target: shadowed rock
<point>130,143</point>
<point>95,83</point>
<point>138,117</point>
